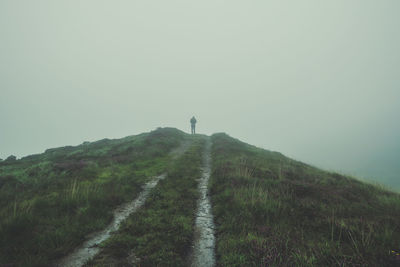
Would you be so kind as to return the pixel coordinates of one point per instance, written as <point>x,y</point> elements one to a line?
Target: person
<point>193,124</point>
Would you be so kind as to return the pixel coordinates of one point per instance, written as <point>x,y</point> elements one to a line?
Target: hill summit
<point>265,209</point>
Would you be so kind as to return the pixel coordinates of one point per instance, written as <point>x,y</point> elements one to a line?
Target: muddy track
<point>90,247</point>
<point>204,243</point>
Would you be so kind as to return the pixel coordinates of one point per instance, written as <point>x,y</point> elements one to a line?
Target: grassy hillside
<point>161,233</point>
<point>268,210</point>
<point>49,202</point>
<point>273,211</point>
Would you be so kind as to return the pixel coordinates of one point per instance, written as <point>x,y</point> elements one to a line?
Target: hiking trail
<point>203,254</point>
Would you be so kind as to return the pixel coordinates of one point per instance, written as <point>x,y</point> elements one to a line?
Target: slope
<point>274,211</point>
<point>51,201</point>
<point>268,210</point>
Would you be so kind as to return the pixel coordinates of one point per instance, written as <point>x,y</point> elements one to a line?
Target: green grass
<point>161,232</point>
<point>273,211</point>
<point>50,202</point>
<point>269,210</point>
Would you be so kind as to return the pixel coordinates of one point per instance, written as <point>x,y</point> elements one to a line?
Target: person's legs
<point>194,129</point>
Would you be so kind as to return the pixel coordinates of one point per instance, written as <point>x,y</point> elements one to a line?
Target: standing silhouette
<point>193,124</point>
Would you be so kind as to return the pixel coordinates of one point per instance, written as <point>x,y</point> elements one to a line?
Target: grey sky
<point>315,80</point>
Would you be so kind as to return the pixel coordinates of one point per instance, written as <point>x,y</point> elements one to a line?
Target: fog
<point>315,80</point>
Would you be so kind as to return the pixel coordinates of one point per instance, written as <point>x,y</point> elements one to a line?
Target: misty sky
<point>316,80</point>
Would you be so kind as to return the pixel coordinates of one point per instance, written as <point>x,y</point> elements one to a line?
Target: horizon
<point>357,176</point>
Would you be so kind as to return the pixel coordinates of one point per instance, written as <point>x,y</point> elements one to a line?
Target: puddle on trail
<point>204,243</point>
<point>90,247</point>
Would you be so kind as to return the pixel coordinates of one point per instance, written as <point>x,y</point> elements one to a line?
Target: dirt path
<point>204,244</point>
<point>90,247</point>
